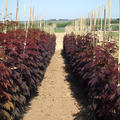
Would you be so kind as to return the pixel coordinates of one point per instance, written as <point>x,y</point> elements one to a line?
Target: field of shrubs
<point>97,74</point>
<point>23,61</point>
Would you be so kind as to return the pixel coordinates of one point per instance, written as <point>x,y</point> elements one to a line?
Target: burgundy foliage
<point>22,68</point>
<point>97,73</point>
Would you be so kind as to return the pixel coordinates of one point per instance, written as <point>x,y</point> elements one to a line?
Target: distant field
<point>114,35</point>
<point>59,31</point>
<point>62,23</point>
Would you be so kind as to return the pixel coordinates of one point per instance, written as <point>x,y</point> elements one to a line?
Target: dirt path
<point>54,101</point>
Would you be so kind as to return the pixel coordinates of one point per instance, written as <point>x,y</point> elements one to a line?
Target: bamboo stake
<point>26,35</point>
<point>6,12</point>
<point>85,24</point>
<point>6,17</point>
<point>105,16</point>
<point>94,42</point>
<point>119,49</point>
<point>41,24</point>
<point>81,26</point>
<point>3,16</point>
<point>85,28</point>
<point>44,26</point>
<point>94,20</point>
<point>75,27</point>
<point>98,17</point>
<point>24,19</point>
<point>104,33</point>
<point>32,17</point>
<point>88,24</point>
<point>101,27</point>
<point>30,14</point>
<point>18,15</point>
<point>102,19</point>
<point>37,21</point>
<point>29,21</point>
<point>17,10</point>
<point>91,21</point>
<point>18,20</point>
<point>109,21</point>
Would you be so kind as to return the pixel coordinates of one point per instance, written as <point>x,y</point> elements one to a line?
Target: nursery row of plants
<point>97,74</point>
<point>23,61</point>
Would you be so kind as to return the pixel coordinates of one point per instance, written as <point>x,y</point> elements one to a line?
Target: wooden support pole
<point>5,30</point>
<point>98,17</point>
<point>26,34</point>
<point>44,25</point>
<point>75,27</point>
<point>18,19</point>
<point>88,24</point>
<point>105,20</point>
<point>17,9</point>
<point>24,19</point>
<point>102,19</point>
<point>109,21</point>
<point>84,24</point>
<point>6,12</point>
<point>35,21</point>
<point>40,23</point>
<point>119,49</point>
<point>78,27</point>
<point>94,42</point>
<point>104,33</point>
<point>17,15</point>
<point>32,17</point>
<point>101,25</point>
<point>81,26</point>
<point>30,14</point>
<point>91,21</point>
<point>29,20</point>
<point>3,16</point>
<point>94,20</point>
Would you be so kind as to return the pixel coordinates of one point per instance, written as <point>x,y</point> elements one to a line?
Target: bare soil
<point>54,100</point>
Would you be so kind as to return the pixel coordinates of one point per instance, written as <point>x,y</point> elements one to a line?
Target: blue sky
<point>58,9</point>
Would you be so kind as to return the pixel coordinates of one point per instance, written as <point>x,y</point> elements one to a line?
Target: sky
<point>57,9</point>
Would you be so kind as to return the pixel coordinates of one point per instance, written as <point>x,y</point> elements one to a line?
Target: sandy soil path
<point>54,100</point>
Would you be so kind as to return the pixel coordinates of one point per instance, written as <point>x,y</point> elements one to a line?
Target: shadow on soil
<point>77,93</point>
<point>28,105</point>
